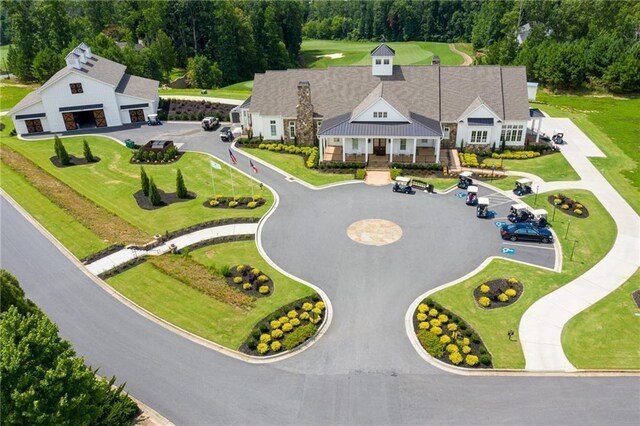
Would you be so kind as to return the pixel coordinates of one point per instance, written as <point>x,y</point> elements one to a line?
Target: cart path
<point>467,59</point>
<point>542,324</point>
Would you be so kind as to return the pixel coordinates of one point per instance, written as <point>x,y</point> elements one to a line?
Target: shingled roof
<point>383,50</point>
<point>439,93</point>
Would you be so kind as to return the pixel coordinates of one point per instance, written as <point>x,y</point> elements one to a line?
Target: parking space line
<point>527,245</point>
<point>499,204</point>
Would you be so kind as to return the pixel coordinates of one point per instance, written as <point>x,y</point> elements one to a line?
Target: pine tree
<point>88,155</point>
<point>181,189</point>
<point>154,195</point>
<point>61,152</point>
<point>144,182</point>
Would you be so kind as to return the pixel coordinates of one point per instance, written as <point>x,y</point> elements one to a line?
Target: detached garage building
<point>89,92</point>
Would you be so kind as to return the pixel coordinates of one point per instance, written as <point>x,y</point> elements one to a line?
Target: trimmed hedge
<point>299,336</point>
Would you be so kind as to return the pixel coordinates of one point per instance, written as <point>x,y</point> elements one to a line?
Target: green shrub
<point>61,151</point>
<point>422,308</point>
<point>565,207</point>
<point>578,212</point>
<point>436,330</point>
<point>233,204</point>
<point>484,289</point>
<point>484,301</point>
<point>421,317</point>
<point>252,205</point>
<point>471,360</point>
<point>263,289</point>
<point>557,201</point>
<point>503,297</point>
<point>275,324</point>
<point>485,359</point>
<point>475,338</point>
<point>237,280</point>
<point>262,348</point>
<point>455,358</point>
<point>214,203</point>
<point>423,325</point>
<point>510,292</point>
<point>86,150</point>
<point>265,338</point>
<point>444,339</point>
<point>466,349</point>
<point>181,189</point>
<point>144,182</point>
<point>431,343</point>
<point>298,336</point>
<point>361,174</point>
<point>277,333</point>
<point>394,173</point>
<point>451,348</point>
<point>154,195</point>
<point>247,286</point>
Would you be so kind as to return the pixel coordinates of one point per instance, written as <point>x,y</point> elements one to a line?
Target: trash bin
<point>430,188</point>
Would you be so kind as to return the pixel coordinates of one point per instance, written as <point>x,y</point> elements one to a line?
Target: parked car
<point>226,135</point>
<point>210,123</point>
<point>525,232</point>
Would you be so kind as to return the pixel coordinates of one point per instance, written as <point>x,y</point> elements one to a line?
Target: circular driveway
<point>364,370</point>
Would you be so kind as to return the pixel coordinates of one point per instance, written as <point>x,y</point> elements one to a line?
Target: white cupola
<point>382,60</point>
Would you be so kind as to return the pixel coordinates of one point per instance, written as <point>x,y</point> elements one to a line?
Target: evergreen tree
<point>144,182</point>
<point>11,294</point>
<point>61,152</point>
<point>88,155</point>
<point>154,195</point>
<point>181,189</point>
<point>46,63</point>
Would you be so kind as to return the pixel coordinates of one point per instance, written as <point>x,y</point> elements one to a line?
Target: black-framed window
<point>76,88</point>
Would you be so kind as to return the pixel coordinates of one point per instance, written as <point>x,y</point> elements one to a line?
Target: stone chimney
<point>305,128</point>
<point>73,60</point>
<point>435,60</point>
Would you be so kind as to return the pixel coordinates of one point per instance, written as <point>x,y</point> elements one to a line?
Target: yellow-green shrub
<point>557,201</point>
<point>423,325</point>
<point>276,346</point>
<point>263,278</point>
<point>320,305</point>
<point>265,338</point>
<point>237,280</point>
<point>214,203</point>
<point>484,301</point>
<point>292,314</point>
<point>283,319</point>
<point>471,360</point>
<point>304,316</point>
<point>484,288</point>
<point>466,341</point>
<point>466,349</point>
<point>452,326</point>
<point>422,308</point>
<point>316,311</point>
<point>421,316</point>
<point>263,289</point>
<point>294,322</point>
<point>565,207</point>
<point>255,271</point>
<point>287,327</point>
<point>444,339</point>
<point>433,312</point>
<point>503,297</point>
<point>578,212</point>
<point>443,318</point>
<point>435,323</point>
<point>436,330</point>
<point>247,286</point>
<point>455,358</point>
<point>512,281</point>
<point>275,324</point>
<point>277,333</point>
<point>253,205</point>
<point>240,268</point>
<point>262,348</point>
<point>451,347</point>
<point>306,306</point>
<point>510,292</point>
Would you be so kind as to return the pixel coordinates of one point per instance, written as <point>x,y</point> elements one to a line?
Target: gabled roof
<point>383,50</point>
<point>138,87</point>
<point>477,102</point>
<point>96,67</point>
<point>31,99</point>
<point>373,97</point>
<point>419,127</point>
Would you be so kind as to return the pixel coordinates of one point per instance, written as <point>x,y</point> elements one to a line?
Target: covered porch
<point>389,150</point>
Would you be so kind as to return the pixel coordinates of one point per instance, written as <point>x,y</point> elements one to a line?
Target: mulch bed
<point>167,198</point>
<point>75,161</point>
<point>251,278</point>
<point>496,287</point>
<point>224,203</point>
<point>636,297</point>
<point>133,160</point>
<point>571,203</point>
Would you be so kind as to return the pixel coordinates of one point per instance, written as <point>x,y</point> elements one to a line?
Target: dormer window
<point>380,114</point>
<point>76,88</point>
<point>386,62</point>
<point>378,61</point>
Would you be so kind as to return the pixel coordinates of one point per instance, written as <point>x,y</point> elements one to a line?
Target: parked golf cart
<point>519,213</point>
<point>523,187</point>
<point>539,218</point>
<point>153,120</point>
<point>131,144</point>
<point>465,180</point>
<point>558,137</point>
<point>210,123</point>
<point>472,195</point>
<point>482,210</point>
<point>402,184</point>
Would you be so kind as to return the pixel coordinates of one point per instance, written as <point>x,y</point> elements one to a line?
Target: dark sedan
<point>525,232</point>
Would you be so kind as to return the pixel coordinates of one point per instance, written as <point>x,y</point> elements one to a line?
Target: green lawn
<point>240,91</point>
<point>11,94</point>
<point>202,315</point>
<point>3,57</point>
<point>294,165</point>
<point>112,182</point>
<point>606,335</point>
<point>438,183</point>
<point>611,123</point>
<point>506,184</point>
<point>466,48</point>
<point>595,234</point>
<point>549,167</point>
<point>357,53</point>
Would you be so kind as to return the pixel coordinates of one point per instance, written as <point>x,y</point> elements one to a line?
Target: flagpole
<point>233,190</point>
<point>213,182</point>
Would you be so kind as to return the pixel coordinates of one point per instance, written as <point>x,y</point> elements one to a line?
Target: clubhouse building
<point>390,113</point>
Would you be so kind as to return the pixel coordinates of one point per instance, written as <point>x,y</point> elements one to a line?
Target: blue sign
<point>461,194</point>
<point>499,224</point>
<point>508,250</point>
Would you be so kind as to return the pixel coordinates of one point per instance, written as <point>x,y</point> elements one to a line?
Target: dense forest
<point>570,44</point>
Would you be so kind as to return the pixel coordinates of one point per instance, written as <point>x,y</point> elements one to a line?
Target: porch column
<point>415,144</point>
<point>437,144</point>
<point>366,150</point>
<point>538,132</point>
<point>344,154</point>
<point>391,152</point>
<point>321,149</point>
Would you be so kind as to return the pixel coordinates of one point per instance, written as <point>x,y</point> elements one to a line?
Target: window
<point>379,114</point>
<point>136,115</point>
<point>386,62</point>
<point>354,144</point>
<point>33,126</point>
<point>511,133</point>
<point>76,88</point>
<point>375,114</point>
<point>273,128</point>
<point>378,61</point>
<point>292,129</point>
<point>384,114</point>
<point>445,133</point>
<point>403,144</point>
<point>479,136</point>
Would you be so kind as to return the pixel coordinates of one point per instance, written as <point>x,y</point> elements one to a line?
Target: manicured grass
<point>466,48</point>
<point>611,124</point>
<point>506,184</point>
<point>548,167</point>
<point>78,239</point>
<point>438,183</point>
<point>606,334</point>
<point>358,53</point>
<point>10,94</point>
<point>240,91</point>
<point>3,57</point>
<point>294,165</point>
<point>112,182</point>
<point>595,234</point>
<point>200,314</point>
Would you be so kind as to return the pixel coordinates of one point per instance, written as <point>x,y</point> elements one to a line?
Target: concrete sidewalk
<point>542,324</point>
<point>126,255</point>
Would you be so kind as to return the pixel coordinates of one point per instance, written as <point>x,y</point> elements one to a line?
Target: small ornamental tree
<point>61,152</point>
<point>88,155</point>
<point>181,189</point>
<point>154,195</point>
<point>144,182</point>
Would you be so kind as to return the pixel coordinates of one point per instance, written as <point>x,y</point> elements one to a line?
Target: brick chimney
<point>305,128</point>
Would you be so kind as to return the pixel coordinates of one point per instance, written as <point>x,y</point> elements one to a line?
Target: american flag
<point>253,167</point>
<point>234,160</point>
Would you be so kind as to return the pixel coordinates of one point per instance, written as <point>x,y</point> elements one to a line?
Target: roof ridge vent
<point>73,61</point>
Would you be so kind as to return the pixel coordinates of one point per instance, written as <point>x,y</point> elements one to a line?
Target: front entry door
<point>379,147</point>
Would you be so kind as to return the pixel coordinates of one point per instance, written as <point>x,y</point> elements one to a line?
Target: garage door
<point>136,115</point>
<point>33,126</point>
<point>101,121</point>
<point>69,121</point>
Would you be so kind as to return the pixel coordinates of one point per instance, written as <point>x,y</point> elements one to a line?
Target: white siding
<point>396,146</point>
<point>19,124</point>
<point>382,69</point>
<point>262,126</point>
<point>129,100</point>
<point>381,106</point>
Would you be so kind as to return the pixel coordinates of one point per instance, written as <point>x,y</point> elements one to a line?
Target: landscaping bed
<point>448,338</point>
<point>249,280</point>
<point>73,161</point>
<point>167,198</point>
<point>143,157</point>
<point>192,110</point>
<point>498,293</point>
<point>287,328</point>
<point>221,202</point>
<point>568,205</point>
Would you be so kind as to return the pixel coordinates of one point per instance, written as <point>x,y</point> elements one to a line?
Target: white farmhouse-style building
<point>393,113</point>
<point>90,91</point>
